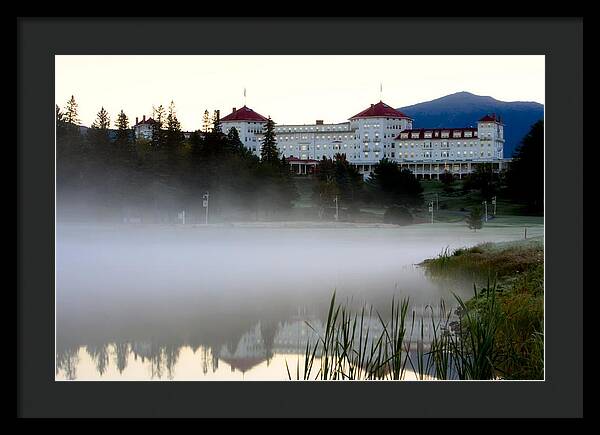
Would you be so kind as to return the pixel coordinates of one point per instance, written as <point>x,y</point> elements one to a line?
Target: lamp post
<point>494,203</point>
<point>485,205</point>
<point>205,205</point>
<point>336,207</point>
<point>431,210</point>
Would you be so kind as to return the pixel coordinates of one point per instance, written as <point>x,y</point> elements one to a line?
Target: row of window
<point>445,134</point>
<point>427,154</point>
<point>316,137</point>
<point>314,128</point>
<point>442,145</point>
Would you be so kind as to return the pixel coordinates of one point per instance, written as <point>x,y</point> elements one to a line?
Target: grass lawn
<point>449,207</point>
<point>457,200</point>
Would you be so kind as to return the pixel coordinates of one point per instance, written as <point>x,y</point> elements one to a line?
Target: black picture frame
<point>560,40</point>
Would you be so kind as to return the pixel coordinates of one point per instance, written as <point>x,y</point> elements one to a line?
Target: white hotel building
<point>377,132</point>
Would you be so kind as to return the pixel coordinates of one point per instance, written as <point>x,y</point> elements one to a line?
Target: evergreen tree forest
<point>109,175</point>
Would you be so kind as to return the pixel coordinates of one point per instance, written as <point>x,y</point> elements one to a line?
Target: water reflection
<point>155,360</point>
<point>135,303</point>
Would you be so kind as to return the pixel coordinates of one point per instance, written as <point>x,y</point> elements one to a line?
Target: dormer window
<point>428,135</point>
<point>445,134</point>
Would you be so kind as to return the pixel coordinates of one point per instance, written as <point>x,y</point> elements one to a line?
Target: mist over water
<point>215,288</point>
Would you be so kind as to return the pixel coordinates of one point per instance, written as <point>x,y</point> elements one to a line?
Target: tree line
<point>109,173</point>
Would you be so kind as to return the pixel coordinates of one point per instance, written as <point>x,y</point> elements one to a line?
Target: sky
<point>291,89</point>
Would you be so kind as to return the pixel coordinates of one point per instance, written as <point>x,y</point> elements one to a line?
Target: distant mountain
<point>463,109</point>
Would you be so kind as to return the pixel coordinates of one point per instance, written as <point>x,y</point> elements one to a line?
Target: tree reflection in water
<point>99,354</point>
<point>67,360</point>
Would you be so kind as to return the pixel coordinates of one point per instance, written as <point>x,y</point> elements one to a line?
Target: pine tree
<point>475,219</point>
<point>99,130</point>
<point>59,114</point>
<point>123,131</point>
<point>174,135</point>
<point>268,151</point>
<point>71,119</point>
<point>60,124</point>
<point>158,115</point>
<point>234,137</point>
<point>71,115</point>
<point>206,122</point>
<point>216,122</point>
<point>394,186</point>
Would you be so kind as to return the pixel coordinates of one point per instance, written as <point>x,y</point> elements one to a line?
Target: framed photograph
<point>293,225</point>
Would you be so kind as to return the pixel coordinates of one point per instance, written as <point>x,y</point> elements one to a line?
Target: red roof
<point>436,133</point>
<point>488,118</point>
<point>146,121</point>
<point>244,114</point>
<point>380,110</point>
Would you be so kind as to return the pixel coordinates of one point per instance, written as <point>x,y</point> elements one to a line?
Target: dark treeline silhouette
<point>112,175</point>
<point>388,186</point>
<point>525,177</point>
<point>523,181</point>
<point>391,185</point>
<point>337,178</point>
<point>485,180</point>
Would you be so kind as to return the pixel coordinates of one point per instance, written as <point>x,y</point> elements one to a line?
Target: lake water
<point>137,302</point>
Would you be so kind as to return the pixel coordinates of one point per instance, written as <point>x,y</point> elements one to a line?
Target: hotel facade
<point>378,132</point>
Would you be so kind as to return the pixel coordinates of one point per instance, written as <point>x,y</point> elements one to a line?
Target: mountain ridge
<point>463,109</point>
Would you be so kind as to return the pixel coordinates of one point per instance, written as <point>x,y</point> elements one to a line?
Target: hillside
<point>463,109</point>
